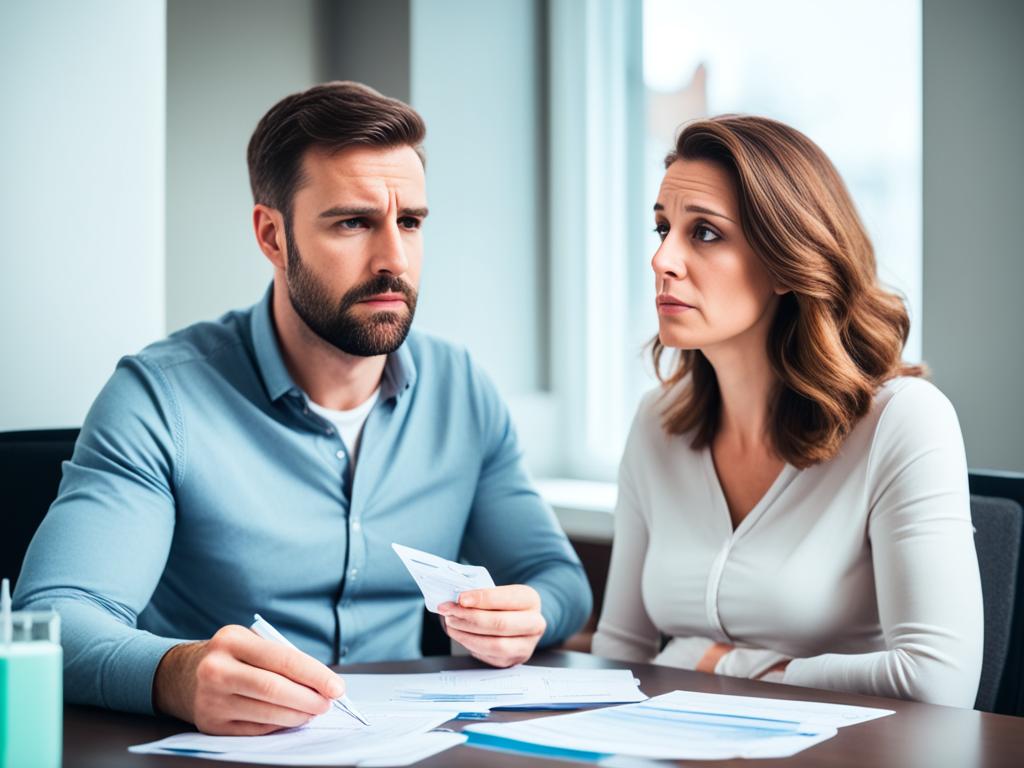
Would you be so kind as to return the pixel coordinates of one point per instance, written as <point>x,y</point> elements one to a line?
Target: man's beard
<point>381,333</point>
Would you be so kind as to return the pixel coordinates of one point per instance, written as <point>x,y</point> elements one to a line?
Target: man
<point>266,462</point>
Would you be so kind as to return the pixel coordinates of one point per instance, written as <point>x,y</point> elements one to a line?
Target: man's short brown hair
<point>331,116</point>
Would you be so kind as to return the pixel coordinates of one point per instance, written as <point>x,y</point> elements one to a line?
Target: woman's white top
<point>862,570</point>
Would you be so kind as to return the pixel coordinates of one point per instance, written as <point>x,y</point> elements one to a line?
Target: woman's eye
<point>705,234</point>
<point>662,230</point>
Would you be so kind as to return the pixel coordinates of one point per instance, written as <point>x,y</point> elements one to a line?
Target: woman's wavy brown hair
<point>837,335</point>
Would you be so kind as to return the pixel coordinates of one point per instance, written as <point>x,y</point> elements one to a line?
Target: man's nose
<point>389,252</point>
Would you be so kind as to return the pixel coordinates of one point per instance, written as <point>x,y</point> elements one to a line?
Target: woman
<point>793,501</point>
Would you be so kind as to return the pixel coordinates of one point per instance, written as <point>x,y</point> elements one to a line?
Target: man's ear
<point>268,224</point>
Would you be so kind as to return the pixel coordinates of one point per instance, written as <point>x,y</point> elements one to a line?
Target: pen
<point>264,629</point>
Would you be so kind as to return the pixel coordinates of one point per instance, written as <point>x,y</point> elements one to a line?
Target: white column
<point>81,199</point>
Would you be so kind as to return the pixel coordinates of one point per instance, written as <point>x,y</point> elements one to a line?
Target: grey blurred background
<point>126,206</point>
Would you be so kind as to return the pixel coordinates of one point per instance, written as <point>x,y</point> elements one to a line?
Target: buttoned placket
<point>354,556</point>
<point>356,549</point>
<point>732,537</point>
<point>355,490</point>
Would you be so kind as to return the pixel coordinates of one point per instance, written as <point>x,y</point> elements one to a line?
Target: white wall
<point>81,199</point>
<point>475,80</point>
<point>973,207</point>
<point>479,79</point>
<point>228,62</point>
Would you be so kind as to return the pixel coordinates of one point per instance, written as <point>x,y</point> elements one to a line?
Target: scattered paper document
<point>440,580</point>
<point>679,726</point>
<point>805,712</point>
<point>479,690</point>
<point>393,739</point>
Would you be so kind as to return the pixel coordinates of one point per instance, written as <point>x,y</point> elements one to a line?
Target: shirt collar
<point>399,373</point>
<point>276,378</point>
<point>399,369</point>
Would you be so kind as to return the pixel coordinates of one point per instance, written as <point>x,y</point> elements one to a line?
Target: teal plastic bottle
<point>31,689</point>
<point>31,705</point>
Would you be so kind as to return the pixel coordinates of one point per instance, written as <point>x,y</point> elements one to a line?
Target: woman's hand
<point>752,663</point>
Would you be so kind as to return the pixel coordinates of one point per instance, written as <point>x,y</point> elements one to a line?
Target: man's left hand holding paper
<point>500,626</point>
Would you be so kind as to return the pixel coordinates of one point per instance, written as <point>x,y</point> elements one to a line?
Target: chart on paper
<point>682,725</point>
<point>483,689</point>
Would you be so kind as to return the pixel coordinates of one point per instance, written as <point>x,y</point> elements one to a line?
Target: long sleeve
<point>925,566</point>
<point>514,532</point>
<point>99,553</point>
<point>625,631</point>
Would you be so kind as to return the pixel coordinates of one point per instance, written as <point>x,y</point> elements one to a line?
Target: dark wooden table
<point>917,735</point>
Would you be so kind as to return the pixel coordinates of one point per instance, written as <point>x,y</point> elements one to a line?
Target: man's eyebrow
<point>339,211</point>
<point>336,211</point>
<point>697,209</point>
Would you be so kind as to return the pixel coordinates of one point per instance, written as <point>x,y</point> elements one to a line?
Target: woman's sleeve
<point>625,631</point>
<point>926,570</point>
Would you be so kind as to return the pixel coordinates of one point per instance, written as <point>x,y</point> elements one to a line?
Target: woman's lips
<point>670,305</point>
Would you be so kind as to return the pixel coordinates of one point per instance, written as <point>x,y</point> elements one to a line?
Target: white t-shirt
<point>862,570</point>
<point>348,423</point>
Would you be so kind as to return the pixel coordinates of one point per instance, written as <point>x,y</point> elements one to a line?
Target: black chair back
<point>1006,485</point>
<point>997,533</point>
<point>30,472</point>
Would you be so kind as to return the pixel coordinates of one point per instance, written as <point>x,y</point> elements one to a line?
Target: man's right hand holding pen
<point>239,684</point>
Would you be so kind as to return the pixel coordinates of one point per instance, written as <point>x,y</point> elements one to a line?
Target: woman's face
<point>711,286</point>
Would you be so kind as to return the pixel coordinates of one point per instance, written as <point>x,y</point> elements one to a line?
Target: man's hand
<point>238,684</point>
<point>500,626</point>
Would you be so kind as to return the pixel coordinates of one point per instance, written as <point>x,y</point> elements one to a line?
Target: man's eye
<point>705,234</point>
<point>409,222</point>
<point>356,223</point>
<point>661,229</point>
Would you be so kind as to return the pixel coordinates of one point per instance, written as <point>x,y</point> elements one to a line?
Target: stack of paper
<point>479,690</point>
<point>678,726</point>
<point>391,739</point>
